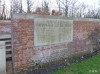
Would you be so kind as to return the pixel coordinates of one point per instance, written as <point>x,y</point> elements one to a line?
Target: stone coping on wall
<point>31,16</point>
<point>5,21</point>
<point>3,36</point>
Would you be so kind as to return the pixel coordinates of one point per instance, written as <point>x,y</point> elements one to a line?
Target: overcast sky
<point>53,3</point>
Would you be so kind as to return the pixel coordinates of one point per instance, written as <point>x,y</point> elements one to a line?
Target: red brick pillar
<point>23,37</point>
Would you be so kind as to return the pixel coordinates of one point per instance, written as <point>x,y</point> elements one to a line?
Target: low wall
<point>5,27</point>
<point>42,39</point>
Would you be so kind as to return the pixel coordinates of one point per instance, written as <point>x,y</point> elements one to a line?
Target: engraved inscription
<point>51,31</point>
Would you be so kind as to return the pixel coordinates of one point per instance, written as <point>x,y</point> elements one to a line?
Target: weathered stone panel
<point>52,31</point>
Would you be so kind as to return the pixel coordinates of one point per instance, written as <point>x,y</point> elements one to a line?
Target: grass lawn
<point>89,66</point>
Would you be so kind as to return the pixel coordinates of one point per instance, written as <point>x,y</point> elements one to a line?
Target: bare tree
<point>66,5</point>
<point>20,7</point>
<point>98,10</point>
<point>16,6</point>
<point>0,8</point>
<point>92,13</point>
<point>3,12</point>
<point>45,6</point>
<point>29,5</point>
<point>73,7</point>
<point>59,4</point>
<point>82,10</point>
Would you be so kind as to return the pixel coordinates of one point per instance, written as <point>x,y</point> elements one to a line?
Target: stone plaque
<point>52,31</point>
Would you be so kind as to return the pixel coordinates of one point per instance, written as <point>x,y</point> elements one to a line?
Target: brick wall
<point>25,51</point>
<point>81,36</point>
<point>5,27</point>
<point>23,44</point>
<point>83,28</point>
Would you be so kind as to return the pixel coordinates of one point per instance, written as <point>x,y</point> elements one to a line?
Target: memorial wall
<point>41,39</point>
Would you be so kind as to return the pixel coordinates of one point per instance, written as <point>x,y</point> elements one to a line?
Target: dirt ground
<point>9,67</point>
